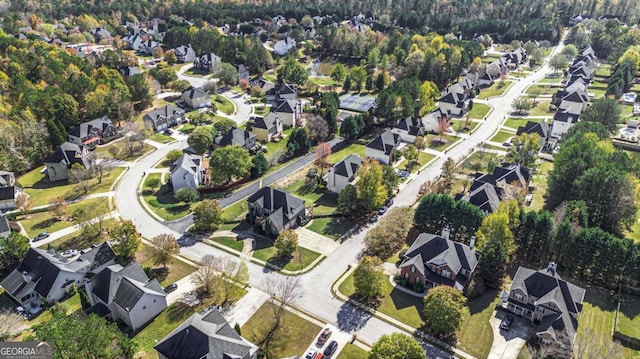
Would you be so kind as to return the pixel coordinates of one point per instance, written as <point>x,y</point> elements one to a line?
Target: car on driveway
<point>403,174</point>
<point>170,288</point>
<point>330,349</point>
<point>326,333</point>
<point>382,210</point>
<point>168,132</point>
<point>506,322</point>
<point>373,218</point>
<point>41,236</point>
<point>311,354</point>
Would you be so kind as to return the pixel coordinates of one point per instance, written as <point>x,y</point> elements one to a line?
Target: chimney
<point>473,242</point>
<point>552,267</point>
<point>26,277</point>
<point>445,232</point>
<point>88,287</point>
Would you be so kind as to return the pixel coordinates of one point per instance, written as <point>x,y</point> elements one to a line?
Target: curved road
<point>316,284</point>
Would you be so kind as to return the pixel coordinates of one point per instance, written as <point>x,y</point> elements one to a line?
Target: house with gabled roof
<point>343,173</point>
<point>383,148</point>
<point>268,128</point>
<point>100,33</point>
<point>243,73</point>
<point>206,335</point>
<point>207,61</point>
<point>184,53</point>
<point>45,277</point>
<point>94,132</point>
<point>196,97</point>
<point>188,171</point>
<point>279,92</point>
<point>487,189</point>
<point>541,128</point>
<point>455,101</point>
<point>273,210</point>
<point>128,71</point>
<point>485,196</point>
<point>282,47</point>
<point>288,111</point>
<point>485,80</point>
<point>579,99</point>
<point>564,118</point>
<point>164,117</point>
<point>5,229</point>
<point>8,190</point>
<point>133,42</point>
<point>127,294</point>
<point>237,136</point>
<point>63,158</point>
<point>408,129</point>
<point>551,303</point>
<point>436,260</point>
<point>497,67</point>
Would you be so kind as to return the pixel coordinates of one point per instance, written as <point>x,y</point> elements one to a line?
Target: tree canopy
<point>397,346</point>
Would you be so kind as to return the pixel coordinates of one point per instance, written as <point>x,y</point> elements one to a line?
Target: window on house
<point>446,274</point>
<point>517,296</point>
<point>413,269</point>
<point>540,309</point>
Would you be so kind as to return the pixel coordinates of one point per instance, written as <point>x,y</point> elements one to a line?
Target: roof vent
<point>552,267</point>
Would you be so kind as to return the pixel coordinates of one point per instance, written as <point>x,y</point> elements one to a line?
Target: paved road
<point>316,295</point>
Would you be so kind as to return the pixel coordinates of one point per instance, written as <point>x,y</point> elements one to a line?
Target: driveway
<point>341,337</point>
<point>507,344</point>
<point>316,242</point>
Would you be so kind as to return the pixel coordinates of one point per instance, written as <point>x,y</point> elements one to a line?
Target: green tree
<point>293,72</point>
<point>397,346</point>
<point>259,166</point>
<point>230,162</point>
<point>348,204</point>
<point>351,128</point>
<point>411,154</point>
<point>170,57</point>
<point>390,234</point>
<point>228,74</point>
<point>164,75</point>
<point>444,308</point>
<point>558,63</point>
<point>13,248</point>
<point>381,80</point>
<point>534,93</point>
<point>346,86</point>
<point>368,278</point>
<point>224,125</point>
<point>126,240</point>
<point>200,139</point>
<point>78,336</point>
<point>604,111</point>
<point>371,192</point>
<point>497,244</point>
<point>180,85</point>
<point>286,243</point>
<point>338,73</point>
<point>187,195</point>
<point>298,143</point>
<point>524,149</point>
<point>373,58</point>
<point>521,104</point>
<point>174,155</point>
<point>435,211</point>
<point>570,51</point>
<point>429,92</point>
<point>140,90</point>
<point>207,215</point>
<point>163,249</point>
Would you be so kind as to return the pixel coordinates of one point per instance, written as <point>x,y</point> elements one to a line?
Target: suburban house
<point>100,33</point>
<point>288,111</point>
<point>487,190</point>
<point>279,92</point>
<point>65,156</point>
<point>485,196</point>
<point>383,148</point>
<point>128,71</point>
<point>45,277</point>
<point>208,62</point>
<point>164,117</point>
<point>563,119</point>
<point>185,53</point>
<point>484,81</point>
<point>343,173</point>
<point>243,73</point>
<point>552,304</point>
<point>8,191</point>
<point>577,99</point>
<point>541,128</point>
<point>237,136</point>
<point>455,101</point>
<point>575,92</point>
<point>206,335</point>
<point>436,260</point>
<point>496,68</point>
<point>274,210</point>
<point>515,58</point>
<point>126,295</point>
<point>188,171</point>
<point>5,229</point>
<point>93,132</point>
<point>282,47</point>
<point>408,129</point>
<point>268,128</point>
<point>196,97</point>
<point>435,120</point>
<point>133,42</point>
<point>147,47</point>
<point>265,86</point>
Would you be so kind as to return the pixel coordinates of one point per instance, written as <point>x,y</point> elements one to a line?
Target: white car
<point>311,354</point>
<point>69,253</point>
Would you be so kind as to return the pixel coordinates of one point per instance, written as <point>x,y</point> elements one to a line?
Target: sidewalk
<point>69,230</point>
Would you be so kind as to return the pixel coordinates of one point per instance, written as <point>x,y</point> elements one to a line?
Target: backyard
<point>338,156</point>
<point>539,181</point>
<point>162,202</point>
<point>78,240</point>
<point>175,270</point>
<point>319,200</point>
<point>45,222</point>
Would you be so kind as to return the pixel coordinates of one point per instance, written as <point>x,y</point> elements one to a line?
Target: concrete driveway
<point>341,337</point>
<point>507,344</point>
<point>316,241</point>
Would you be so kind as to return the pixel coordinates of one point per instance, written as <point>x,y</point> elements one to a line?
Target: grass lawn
<point>261,110</point>
<point>41,190</point>
<point>604,70</point>
<point>235,210</point>
<point>597,315</point>
<point>399,305</point>
<point>323,81</point>
<point>423,158</point>
<point>627,110</point>
<point>187,128</point>
<point>475,334</point>
<point>177,269</point>
<point>324,202</point>
<point>230,242</point>
<point>629,316</point>
<point>44,222</point>
<point>479,110</point>
<point>459,125</point>
<point>546,89</point>
<point>338,156</point>
<point>435,143</point>
<point>502,136</point>
<point>162,138</point>
<point>351,351</point>
<point>497,89</point>
<point>163,203</point>
<point>541,108</point>
<point>539,181</point>
<point>79,241</point>
<point>596,92</point>
<point>517,122</point>
<point>554,80</point>
<point>123,153</point>
<point>332,227</point>
<point>292,337</point>
<point>274,147</point>
<point>223,104</point>
<point>300,259</point>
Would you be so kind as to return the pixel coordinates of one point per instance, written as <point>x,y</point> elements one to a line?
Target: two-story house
<point>100,33</point>
<point>243,73</point>
<point>487,190</point>
<point>5,228</point>
<point>289,112</point>
<point>164,117</point>
<point>237,136</point>
<point>206,335</point>
<point>63,158</point>
<point>541,128</point>
<point>93,132</point>
<point>552,304</point>
<point>196,97</point>
<point>436,260</point>
<point>128,71</point>
<point>436,120</point>
<point>184,53</point>
<point>127,294</point>
<point>343,173</point>
<point>208,62</point>
<point>188,171</point>
<point>274,210</point>
<point>45,277</point>
<point>8,190</point>
<point>268,128</point>
<point>282,47</point>
<point>408,129</point>
<point>383,148</point>
<point>279,92</point>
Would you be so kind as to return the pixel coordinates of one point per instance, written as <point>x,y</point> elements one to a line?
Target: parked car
<point>382,210</point>
<point>41,236</point>
<point>69,253</point>
<point>506,322</point>
<point>389,202</point>
<point>326,333</point>
<point>170,288</point>
<point>311,354</point>
<point>319,356</point>
<point>403,174</point>
<point>373,218</point>
<point>330,349</point>
<point>168,132</point>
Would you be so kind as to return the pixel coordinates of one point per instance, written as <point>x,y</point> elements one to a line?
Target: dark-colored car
<point>506,322</point>
<point>382,210</point>
<point>330,349</point>
<point>389,202</point>
<point>170,288</point>
<point>168,132</point>
<point>41,236</point>
<point>326,333</point>
<point>373,218</point>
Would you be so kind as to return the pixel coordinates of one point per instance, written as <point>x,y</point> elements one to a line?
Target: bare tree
<point>57,207</point>
<point>10,324</point>
<point>80,175</point>
<point>99,167</point>
<point>323,151</point>
<point>113,150</point>
<point>164,248</point>
<point>207,276</point>
<point>592,345</point>
<point>283,292</point>
<point>133,135</point>
<point>232,273</point>
<point>24,203</point>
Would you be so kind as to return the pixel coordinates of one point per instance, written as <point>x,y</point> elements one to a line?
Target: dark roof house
<point>274,210</point>
<point>237,136</point>
<point>383,148</point>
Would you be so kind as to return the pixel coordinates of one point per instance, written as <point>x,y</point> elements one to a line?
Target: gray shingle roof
<point>484,195</point>
<point>4,224</point>
<point>195,92</point>
<point>187,161</point>
<point>349,166</point>
<point>105,284</point>
<point>99,125</point>
<point>281,205</point>
<point>386,142</point>
<point>237,136</point>
<point>68,152</point>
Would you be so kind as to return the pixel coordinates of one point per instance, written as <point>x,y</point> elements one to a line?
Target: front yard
<point>502,136</point>
<point>300,258</point>
<point>122,153</point>
<point>517,122</point>
<point>175,270</point>
<point>162,202</point>
<point>161,138</point>
<point>479,110</point>
<point>320,200</point>
<point>497,89</point>
<point>351,351</point>
<point>44,222</point>
<point>223,104</point>
<point>332,227</point>
<point>475,334</point>
<point>338,156</point>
